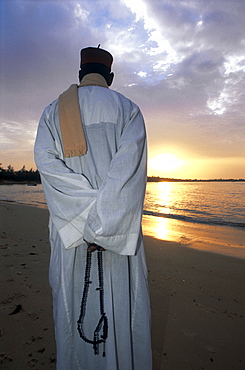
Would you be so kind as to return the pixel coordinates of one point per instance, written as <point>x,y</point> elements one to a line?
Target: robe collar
<point>71,126</point>
<point>93,79</point>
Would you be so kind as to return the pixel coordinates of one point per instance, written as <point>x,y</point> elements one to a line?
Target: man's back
<point>98,198</point>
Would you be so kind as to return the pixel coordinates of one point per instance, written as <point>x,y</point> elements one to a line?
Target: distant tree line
<point>167,179</point>
<point>8,175</point>
<point>23,175</point>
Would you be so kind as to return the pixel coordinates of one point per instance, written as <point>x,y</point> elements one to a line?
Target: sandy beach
<point>196,282</point>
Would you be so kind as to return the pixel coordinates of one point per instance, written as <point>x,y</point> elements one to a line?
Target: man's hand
<point>94,247</point>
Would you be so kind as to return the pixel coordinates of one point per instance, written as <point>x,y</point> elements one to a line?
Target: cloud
<point>182,62</point>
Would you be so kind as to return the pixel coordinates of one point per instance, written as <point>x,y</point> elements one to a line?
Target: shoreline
<point>223,240</point>
<point>149,179</point>
<point>197,299</point>
<point>217,239</point>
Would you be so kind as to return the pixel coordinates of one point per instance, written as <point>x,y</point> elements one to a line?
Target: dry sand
<point>197,297</point>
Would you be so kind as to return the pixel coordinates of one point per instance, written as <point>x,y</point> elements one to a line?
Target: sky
<point>181,62</point>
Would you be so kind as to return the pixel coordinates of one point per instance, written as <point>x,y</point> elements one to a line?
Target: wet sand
<point>196,286</point>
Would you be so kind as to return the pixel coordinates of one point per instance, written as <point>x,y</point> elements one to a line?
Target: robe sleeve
<point>114,221</point>
<point>69,195</point>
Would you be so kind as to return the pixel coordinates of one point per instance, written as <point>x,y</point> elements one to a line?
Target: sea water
<point>24,194</point>
<point>211,203</point>
<point>214,203</point>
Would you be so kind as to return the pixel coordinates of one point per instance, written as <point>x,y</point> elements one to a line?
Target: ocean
<point>211,203</point>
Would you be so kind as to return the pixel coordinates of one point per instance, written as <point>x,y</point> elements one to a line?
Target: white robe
<point>98,197</point>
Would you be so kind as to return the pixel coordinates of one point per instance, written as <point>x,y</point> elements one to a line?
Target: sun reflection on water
<point>164,190</point>
<point>159,227</point>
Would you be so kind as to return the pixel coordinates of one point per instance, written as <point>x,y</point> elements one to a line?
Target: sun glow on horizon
<point>165,162</point>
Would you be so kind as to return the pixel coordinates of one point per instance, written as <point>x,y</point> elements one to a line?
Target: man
<point>91,153</point>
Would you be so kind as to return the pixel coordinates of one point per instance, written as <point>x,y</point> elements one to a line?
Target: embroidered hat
<point>96,55</point>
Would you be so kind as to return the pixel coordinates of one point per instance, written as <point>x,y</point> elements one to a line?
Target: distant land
<point>167,179</point>
<point>9,176</point>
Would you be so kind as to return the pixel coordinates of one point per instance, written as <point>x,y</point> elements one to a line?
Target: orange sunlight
<point>191,167</point>
<point>164,164</point>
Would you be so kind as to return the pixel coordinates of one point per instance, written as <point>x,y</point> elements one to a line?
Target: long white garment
<point>98,197</point>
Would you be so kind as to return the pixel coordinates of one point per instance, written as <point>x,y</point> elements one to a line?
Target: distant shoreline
<point>166,179</point>
<point>29,183</point>
<point>149,179</point>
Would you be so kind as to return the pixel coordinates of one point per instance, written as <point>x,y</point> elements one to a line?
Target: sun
<point>165,162</point>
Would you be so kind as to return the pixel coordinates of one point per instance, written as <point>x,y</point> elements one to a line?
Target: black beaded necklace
<point>103,321</point>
